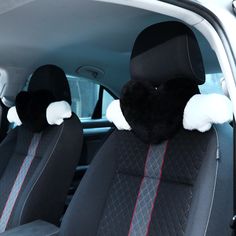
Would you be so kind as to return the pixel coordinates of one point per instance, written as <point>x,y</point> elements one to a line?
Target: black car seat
<point>36,167</point>
<point>182,186</point>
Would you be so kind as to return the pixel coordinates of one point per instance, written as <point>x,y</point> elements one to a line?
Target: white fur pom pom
<point>115,115</point>
<point>13,117</point>
<point>203,110</point>
<point>57,111</point>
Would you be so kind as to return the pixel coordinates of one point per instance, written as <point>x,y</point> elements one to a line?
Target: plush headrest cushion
<point>167,51</point>
<point>203,110</point>
<point>56,112</point>
<point>155,113</point>
<point>48,93</point>
<point>53,79</point>
<point>31,108</point>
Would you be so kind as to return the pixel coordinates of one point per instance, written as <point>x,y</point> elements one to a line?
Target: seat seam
<point>156,177</point>
<point>158,188</point>
<point>216,175</point>
<point>56,232</point>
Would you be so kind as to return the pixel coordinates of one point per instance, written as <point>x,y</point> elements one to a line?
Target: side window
<point>107,99</point>
<point>212,84</point>
<point>85,96</point>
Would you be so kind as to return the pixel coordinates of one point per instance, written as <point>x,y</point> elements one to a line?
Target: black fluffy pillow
<point>155,113</point>
<point>31,108</point>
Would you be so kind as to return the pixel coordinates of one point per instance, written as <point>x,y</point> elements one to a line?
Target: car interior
<point>66,168</point>
<point>37,161</point>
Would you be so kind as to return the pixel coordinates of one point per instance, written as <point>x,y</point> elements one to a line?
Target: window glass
<point>212,84</point>
<point>107,99</point>
<point>84,95</point>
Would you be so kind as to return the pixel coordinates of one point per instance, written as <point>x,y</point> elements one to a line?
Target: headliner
<point>71,33</point>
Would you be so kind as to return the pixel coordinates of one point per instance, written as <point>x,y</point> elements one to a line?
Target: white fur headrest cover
<point>13,117</point>
<point>56,112</point>
<point>115,115</point>
<point>203,110</point>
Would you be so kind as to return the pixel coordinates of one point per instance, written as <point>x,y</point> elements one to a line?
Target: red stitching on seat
<point>136,203</point>
<point>19,190</point>
<point>11,188</point>
<point>158,187</point>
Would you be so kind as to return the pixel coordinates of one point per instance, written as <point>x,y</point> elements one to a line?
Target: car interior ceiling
<point>108,46</point>
<point>103,43</point>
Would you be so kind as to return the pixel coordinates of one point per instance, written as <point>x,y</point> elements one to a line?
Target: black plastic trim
<point>99,123</point>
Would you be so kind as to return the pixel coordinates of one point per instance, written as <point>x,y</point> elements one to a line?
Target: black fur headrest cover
<point>48,84</point>
<point>51,78</point>
<point>166,68</point>
<point>155,112</point>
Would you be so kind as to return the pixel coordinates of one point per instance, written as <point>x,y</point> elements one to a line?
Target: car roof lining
<point>80,33</point>
<point>9,5</point>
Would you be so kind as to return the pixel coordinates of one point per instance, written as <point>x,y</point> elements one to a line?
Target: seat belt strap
<point>20,178</point>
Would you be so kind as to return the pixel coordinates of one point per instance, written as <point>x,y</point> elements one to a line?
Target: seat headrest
<point>51,78</point>
<point>47,101</point>
<point>167,51</point>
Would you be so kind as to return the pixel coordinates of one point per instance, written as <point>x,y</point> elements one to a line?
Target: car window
<point>85,94</point>
<point>107,99</point>
<point>212,84</point>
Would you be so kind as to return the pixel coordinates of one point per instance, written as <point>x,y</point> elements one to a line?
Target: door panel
<point>93,140</point>
<point>95,134</point>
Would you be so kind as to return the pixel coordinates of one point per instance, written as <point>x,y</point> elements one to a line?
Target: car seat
<point>182,186</point>
<point>37,159</point>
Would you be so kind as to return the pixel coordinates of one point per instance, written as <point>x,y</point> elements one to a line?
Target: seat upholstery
<point>104,203</point>
<point>177,187</point>
<point>51,154</point>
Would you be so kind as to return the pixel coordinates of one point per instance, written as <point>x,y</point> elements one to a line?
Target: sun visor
<point>12,80</point>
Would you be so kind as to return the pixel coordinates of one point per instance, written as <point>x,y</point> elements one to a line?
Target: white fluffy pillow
<point>203,110</point>
<point>115,115</point>
<point>13,117</point>
<point>57,111</point>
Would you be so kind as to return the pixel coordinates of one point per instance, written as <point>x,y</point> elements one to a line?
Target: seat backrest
<point>36,168</point>
<point>135,186</point>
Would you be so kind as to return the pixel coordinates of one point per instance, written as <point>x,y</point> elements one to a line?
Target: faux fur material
<point>51,78</point>
<point>203,110</point>
<point>13,117</point>
<point>58,111</point>
<point>155,113</point>
<point>31,108</point>
<point>115,115</point>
